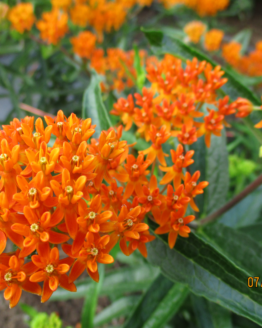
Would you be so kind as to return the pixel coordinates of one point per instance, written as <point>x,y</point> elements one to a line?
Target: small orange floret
<point>22,17</point>
<point>195,30</point>
<point>84,44</point>
<point>213,39</point>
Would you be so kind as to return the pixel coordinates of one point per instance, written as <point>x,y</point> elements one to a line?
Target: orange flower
<point>213,125</point>
<point>127,229</point>
<point>52,271</point>
<point>158,137</point>
<point>213,39</point>
<point>151,195</point>
<point>84,44</point>
<point>33,193</point>
<point>37,230</point>
<point>22,17</point>
<point>195,30</point>
<point>64,4</point>
<point>69,193</point>
<point>93,251</point>
<point>176,226</point>
<point>10,161</point>
<point>112,196</point>
<point>14,277</point>
<point>3,11</point>
<point>53,26</point>
<point>125,109</point>
<point>180,161</point>
<point>80,15</point>
<point>231,52</point>
<point>192,189</point>
<point>244,107</point>
<point>91,219</point>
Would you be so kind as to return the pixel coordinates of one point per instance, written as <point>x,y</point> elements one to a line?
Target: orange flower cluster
<point>173,106</point>
<point>22,17</point>
<point>250,64</point>
<point>84,194</point>
<point>202,7</point>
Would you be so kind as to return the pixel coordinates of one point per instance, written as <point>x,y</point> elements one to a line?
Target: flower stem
<point>213,216</point>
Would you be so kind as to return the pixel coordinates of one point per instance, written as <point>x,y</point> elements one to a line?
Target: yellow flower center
<point>43,160</point>
<point>3,156</point>
<point>92,215</point>
<point>186,135</point>
<point>60,124</point>
<point>69,189</point>
<point>19,130</point>
<point>49,268</point>
<point>181,221</point>
<point>212,121</point>
<point>78,130</point>
<point>182,157</point>
<point>36,134</point>
<point>8,276</point>
<point>34,227</point>
<point>94,251</point>
<point>32,191</point>
<point>165,110</point>
<point>111,192</point>
<point>135,166</point>
<point>111,145</point>
<point>158,135</point>
<point>75,159</point>
<point>175,197</point>
<point>91,183</point>
<point>129,222</point>
<point>149,198</point>
<point>193,183</point>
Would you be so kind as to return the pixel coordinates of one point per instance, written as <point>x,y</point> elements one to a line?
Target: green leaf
<point>89,307</point>
<point>93,106</point>
<point>29,310</point>
<point>254,231</point>
<point>213,165</point>
<point>210,315</point>
<point>159,304</point>
<point>116,282</point>
<point>130,137</point>
<point>12,48</point>
<point>122,307</point>
<point>243,37</point>
<point>140,71</point>
<point>207,273</point>
<point>238,247</point>
<point>162,45</point>
<point>245,213</point>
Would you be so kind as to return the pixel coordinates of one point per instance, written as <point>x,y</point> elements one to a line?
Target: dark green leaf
<point>213,165</point>
<point>122,307</point>
<point>162,44</point>
<point>93,106</point>
<point>89,307</point>
<point>210,315</point>
<point>254,231</point>
<point>245,212</point>
<point>207,273</point>
<point>161,301</point>
<point>116,282</point>
<point>243,37</point>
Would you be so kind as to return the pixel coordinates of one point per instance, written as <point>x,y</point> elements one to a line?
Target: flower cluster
<point>83,195</point>
<point>202,7</point>
<point>22,17</point>
<point>249,64</point>
<point>173,106</point>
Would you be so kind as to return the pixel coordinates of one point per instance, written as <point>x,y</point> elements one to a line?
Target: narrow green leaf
<point>207,273</point>
<point>130,137</point>
<point>12,48</point>
<point>238,247</point>
<point>162,45</point>
<point>140,71</point>
<point>89,307</point>
<point>93,106</point>
<point>213,165</point>
<point>245,213</point>
<point>161,301</point>
<point>210,315</point>
<point>116,282</point>
<point>122,307</point>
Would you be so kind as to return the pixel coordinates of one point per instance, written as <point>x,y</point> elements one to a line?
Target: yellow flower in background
<point>64,4</point>
<point>53,26</point>
<point>84,44</point>
<point>22,17</point>
<point>3,10</point>
<point>195,30</point>
<point>213,39</point>
<point>80,15</point>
